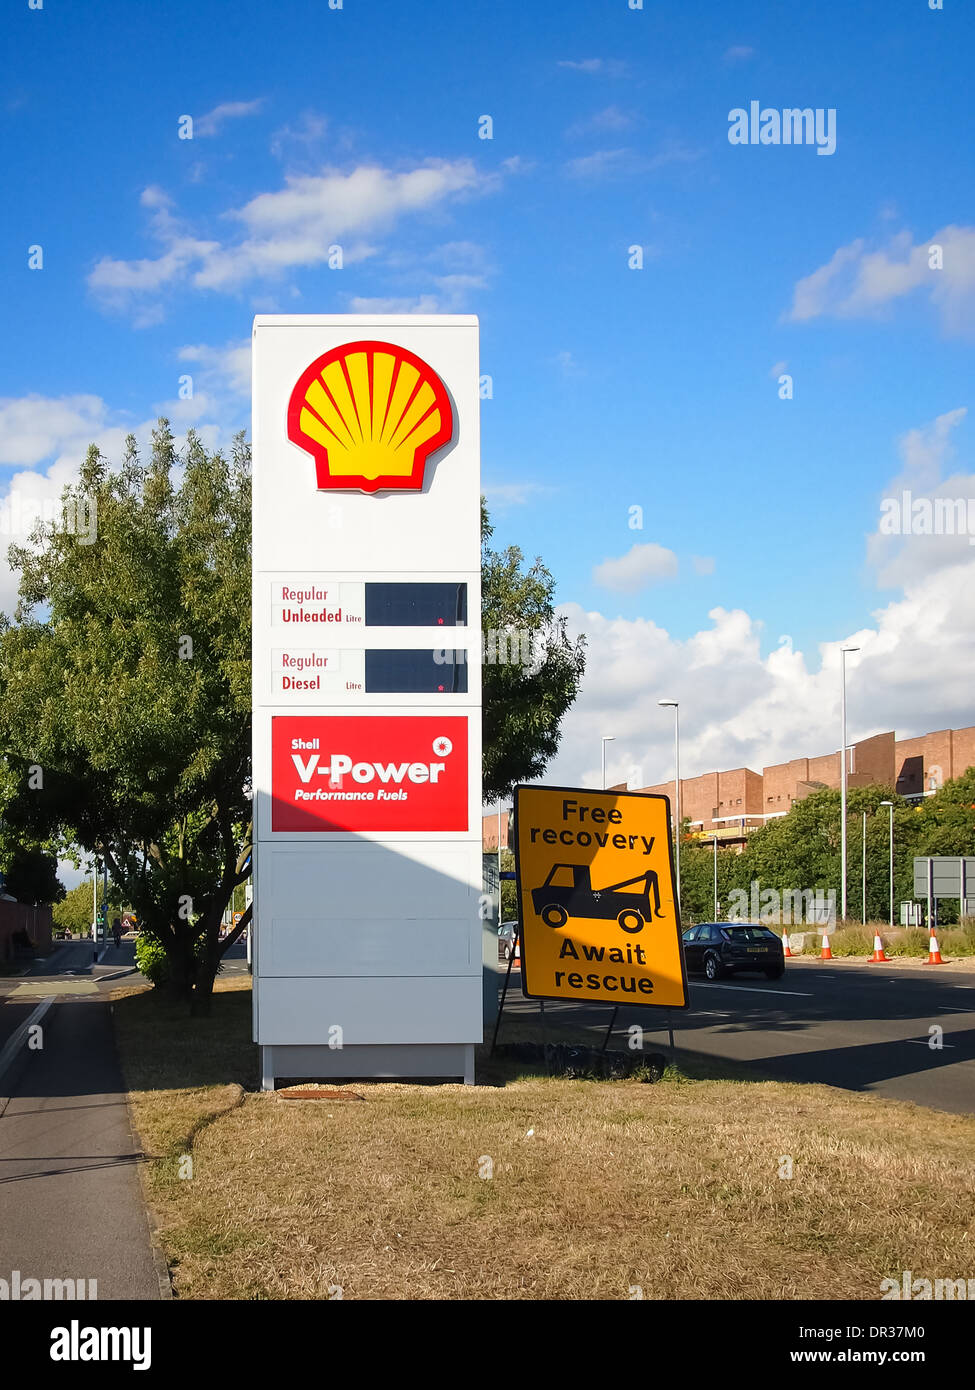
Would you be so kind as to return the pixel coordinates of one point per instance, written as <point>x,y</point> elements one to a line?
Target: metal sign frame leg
<point>612,1025</point>
<point>516,944</point>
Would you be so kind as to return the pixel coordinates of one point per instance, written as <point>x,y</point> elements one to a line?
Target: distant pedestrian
<point>117,932</point>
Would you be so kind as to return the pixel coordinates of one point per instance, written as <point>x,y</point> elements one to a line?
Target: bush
<point>955,942</point>
<point>851,941</point>
<point>909,941</point>
<point>857,940</point>
<point>151,958</point>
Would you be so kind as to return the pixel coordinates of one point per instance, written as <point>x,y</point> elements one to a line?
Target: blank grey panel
<point>376,1011</point>
<point>370,910</point>
<point>372,881</point>
<point>367,946</point>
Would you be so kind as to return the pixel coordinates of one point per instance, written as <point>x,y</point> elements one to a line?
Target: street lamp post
<point>607,738</point>
<point>890,805</point>
<point>863,870</point>
<point>843,652</point>
<point>715,844</point>
<point>675,706</point>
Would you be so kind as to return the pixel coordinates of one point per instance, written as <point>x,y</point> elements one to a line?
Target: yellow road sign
<point>598,911</point>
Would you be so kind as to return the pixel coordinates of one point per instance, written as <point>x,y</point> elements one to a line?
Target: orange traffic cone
<point>825,953</point>
<point>878,948</point>
<point>785,943</point>
<point>934,951</point>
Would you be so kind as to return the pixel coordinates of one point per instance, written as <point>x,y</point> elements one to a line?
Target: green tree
<point>532,669</point>
<point>126,681</point>
<point>125,688</point>
<point>74,912</point>
<point>509,888</point>
<point>940,824</point>
<point>801,851</point>
<point>30,875</point>
<point>697,879</point>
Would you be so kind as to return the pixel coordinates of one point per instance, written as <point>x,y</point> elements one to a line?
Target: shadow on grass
<point>521,1032</point>
<point>164,1049</point>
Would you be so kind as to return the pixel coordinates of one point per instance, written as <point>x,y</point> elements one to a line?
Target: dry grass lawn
<point>597,1187</point>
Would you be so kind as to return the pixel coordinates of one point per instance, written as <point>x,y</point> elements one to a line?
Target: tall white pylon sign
<point>367,696</point>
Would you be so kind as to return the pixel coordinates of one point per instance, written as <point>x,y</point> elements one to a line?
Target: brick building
<point>489,832</point>
<point>728,806</point>
<point>19,922</point>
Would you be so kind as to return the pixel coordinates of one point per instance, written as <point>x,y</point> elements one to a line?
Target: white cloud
<point>609,118</point>
<point>393,304</point>
<point>501,496</point>
<point>626,162</point>
<point>599,164</point>
<point>673,152</point>
<point>641,565</point>
<point>738,53</point>
<point>606,67</point>
<point>926,475</point>
<point>291,228</point>
<point>858,282</point>
<point>226,368</point>
<point>227,111</point>
<point>703,564</point>
<point>46,439</point>
<point>914,674</point>
<point>307,134</point>
<point>567,364</point>
<point>34,427</point>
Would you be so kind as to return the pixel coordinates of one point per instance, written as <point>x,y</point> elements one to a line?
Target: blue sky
<point>613,387</point>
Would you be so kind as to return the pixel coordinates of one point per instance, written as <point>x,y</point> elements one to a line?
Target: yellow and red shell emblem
<point>370,414</point>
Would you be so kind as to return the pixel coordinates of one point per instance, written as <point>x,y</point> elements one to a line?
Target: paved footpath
<point>70,1201</point>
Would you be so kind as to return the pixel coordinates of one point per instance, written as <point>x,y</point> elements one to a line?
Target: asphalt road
<point>860,1027</point>
<point>11,1017</point>
<point>70,1201</point>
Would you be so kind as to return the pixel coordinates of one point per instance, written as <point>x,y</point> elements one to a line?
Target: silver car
<point>508,941</point>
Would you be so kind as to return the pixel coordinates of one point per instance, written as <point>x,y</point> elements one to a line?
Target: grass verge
<point>532,1187</point>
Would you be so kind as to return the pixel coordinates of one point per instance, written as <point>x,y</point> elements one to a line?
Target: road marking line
<point>16,1041</point>
<point>752,989</point>
<point>923,1042</point>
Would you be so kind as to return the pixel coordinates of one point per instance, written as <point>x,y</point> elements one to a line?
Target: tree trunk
<point>182,967</point>
<point>207,968</point>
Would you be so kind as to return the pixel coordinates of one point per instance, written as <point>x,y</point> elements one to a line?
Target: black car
<point>723,948</point>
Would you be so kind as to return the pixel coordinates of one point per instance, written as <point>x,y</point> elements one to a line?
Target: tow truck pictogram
<point>556,902</point>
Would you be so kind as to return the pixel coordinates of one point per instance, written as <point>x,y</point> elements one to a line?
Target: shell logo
<point>370,414</point>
